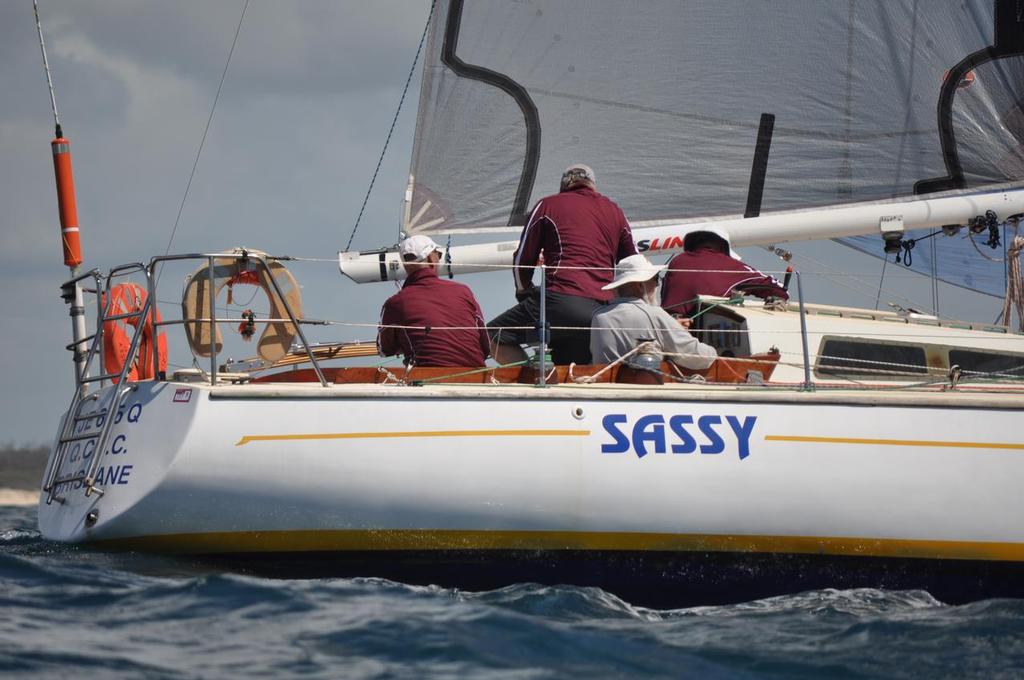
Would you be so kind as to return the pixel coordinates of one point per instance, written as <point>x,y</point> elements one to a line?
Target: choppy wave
<point>124,615</point>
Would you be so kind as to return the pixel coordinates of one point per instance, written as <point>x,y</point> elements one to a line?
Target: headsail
<point>986,124</point>
<point>955,259</point>
<point>663,99</point>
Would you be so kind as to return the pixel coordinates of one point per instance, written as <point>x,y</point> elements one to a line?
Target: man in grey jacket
<point>635,316</point>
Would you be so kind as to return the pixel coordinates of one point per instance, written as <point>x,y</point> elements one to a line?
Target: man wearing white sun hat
<point>634,316</point>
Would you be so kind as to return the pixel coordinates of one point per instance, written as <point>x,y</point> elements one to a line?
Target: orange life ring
<point>127,298</point>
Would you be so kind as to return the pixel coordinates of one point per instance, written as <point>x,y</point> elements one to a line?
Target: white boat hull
<point>438,471</point>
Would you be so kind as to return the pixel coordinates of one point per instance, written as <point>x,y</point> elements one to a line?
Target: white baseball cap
<point>419,247</point>
<point>577,172</point>
<point>633,268</point>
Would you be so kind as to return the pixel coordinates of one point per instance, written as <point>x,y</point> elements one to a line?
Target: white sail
<point>664,101</point>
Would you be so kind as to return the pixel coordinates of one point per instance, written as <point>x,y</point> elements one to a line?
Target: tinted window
<point>987,362</point>
<point>843,357</point>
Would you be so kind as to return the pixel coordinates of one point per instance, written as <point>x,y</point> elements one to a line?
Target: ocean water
<point>67,610</point>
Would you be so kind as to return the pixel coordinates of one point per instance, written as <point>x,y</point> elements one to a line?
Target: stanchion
<point>808,385</point>
<point>543,327</point>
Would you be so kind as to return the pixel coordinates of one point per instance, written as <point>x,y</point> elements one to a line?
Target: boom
<point>666,236</point>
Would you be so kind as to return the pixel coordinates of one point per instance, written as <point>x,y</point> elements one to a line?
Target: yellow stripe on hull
<point>893,442</point>
<point>442,540</point>
<point>428,433</point>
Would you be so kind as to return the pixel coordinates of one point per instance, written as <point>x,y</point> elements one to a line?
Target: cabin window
<point>988,362</point>
<point>870,359</point>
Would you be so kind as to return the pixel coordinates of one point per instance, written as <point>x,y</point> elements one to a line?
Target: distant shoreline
<point>21,468</point>
<point>18,497</point>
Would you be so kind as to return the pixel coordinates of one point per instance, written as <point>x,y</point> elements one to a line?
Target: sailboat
<point>828,446</point>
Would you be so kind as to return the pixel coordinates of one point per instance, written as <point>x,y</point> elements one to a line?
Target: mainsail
<point>664,98</point>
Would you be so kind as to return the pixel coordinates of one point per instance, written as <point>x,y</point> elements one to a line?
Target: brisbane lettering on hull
<point>681,433</point>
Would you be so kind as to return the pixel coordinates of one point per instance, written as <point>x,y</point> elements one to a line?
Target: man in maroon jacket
<point>708,269</point>
<point>430,306</point>
<point>581,236</point>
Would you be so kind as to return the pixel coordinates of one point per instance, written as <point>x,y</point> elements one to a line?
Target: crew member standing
<point>705,267</point>
<point>581,234</point>
<point>445,325</point>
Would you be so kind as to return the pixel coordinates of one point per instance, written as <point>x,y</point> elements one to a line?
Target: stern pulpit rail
<point>95,441</point>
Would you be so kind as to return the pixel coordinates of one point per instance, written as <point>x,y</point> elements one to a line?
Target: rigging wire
<point>863,287</point>
<point>394,122</point>
<point>881,282</point>
<point>206,131</point>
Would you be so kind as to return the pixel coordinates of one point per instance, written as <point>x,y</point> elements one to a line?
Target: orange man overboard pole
<point>62,171</point>
<point>70,240</point>
<point>66,201</point>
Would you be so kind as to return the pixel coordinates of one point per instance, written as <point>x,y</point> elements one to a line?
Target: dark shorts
<point>562,310</point>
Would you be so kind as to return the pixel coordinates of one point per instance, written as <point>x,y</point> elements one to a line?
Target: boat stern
<point>134,457</point>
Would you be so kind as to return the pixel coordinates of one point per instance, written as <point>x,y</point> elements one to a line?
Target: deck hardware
<point>891,228</point>
<point>648,356</point>
<point>91,518</point>
<point>577,413</point>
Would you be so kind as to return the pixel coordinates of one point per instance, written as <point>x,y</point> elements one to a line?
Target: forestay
<point>663,99</point>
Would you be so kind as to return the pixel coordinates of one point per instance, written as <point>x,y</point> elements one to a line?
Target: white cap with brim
<point>417,248</point>
<point>633,269</point>
<point>576,173</point>
<point>715,231</point>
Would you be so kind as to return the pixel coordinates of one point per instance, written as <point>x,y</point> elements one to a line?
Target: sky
<point>305,107</point>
